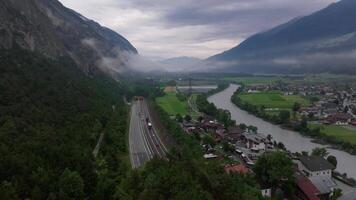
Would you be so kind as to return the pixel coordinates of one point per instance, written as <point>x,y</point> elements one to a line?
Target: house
<point>219,135</point>
<point>306,190</point>
<point>325,186</point>
<point>211,126</point>
<point>266,191</point>
<point>255,141</point>
<point>315,166</point>
<point>330,108</point>
<point>234,134</point>
<point>240,169</point>
<point>339,118</point>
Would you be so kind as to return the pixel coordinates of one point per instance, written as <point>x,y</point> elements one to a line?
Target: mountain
<point>182,64</point>
<point>46,26</point>
<point>55,102</point>
<point>324,41</point>
<point>181,60</point>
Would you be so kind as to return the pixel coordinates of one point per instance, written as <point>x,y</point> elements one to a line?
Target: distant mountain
<point>184,60</point>
<point>182,64</point>
<point>46,26</point>
<point>321,42</point>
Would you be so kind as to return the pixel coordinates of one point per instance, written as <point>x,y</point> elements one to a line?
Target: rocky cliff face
<point>46,26</point>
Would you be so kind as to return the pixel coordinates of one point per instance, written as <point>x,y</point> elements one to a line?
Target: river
<point>293,141</point>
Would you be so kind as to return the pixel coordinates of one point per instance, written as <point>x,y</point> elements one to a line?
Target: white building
<point>315,166</point>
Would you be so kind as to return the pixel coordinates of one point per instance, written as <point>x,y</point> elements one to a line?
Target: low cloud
<point>163,29</point>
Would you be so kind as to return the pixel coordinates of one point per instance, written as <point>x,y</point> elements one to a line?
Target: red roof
<point>308,188</point>
<point>242,169</point>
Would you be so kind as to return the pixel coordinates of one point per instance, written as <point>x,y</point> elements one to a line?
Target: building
<point>339,119</point>
<point>325,186</point>
<point>306,190</point>
<point>234,134</point>
<point>315,166</point>
<point>241,169</point>
<point>255,142</point>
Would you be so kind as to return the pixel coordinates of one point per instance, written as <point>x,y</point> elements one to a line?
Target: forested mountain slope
<point>324,41</point>
<point>51,114</point>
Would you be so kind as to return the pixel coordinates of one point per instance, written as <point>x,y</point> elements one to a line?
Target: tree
<point>179,118</point>
<point>336,194</point>
<point>243,126</point>
<point>284,116</point>
<point>209,140</point>
<point>280,145</point>
<point>273,169</point>
<point>227,147</point>
<point>8,191</point>
<point>319,152</point>
<point>252,129</point>
<point>71,185</point>
<point>188,118</point>
<point>296,108</point>
<point>304,123</point>
<point>332,159</point>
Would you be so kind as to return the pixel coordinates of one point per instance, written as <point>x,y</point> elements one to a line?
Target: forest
<point>51,116</point>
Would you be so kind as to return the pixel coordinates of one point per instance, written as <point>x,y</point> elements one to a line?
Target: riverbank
<point>300,126</point>
<point>293,141</point>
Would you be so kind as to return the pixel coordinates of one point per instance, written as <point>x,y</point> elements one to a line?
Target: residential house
<point>306,190</point>
<point>220,134</point>
<point>315,166</point>
<point>234,133</point>
<point>339,119</point>
<point>255,141</point>
<point>325,186</point>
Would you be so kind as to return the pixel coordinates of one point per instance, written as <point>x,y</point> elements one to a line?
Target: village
<point>328,105</point>
<point>240,146</point>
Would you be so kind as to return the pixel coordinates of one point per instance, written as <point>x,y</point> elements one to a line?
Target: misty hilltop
<point>324,41</point>
<point>47,27</point>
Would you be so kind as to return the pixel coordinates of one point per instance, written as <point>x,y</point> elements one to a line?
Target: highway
<point>144,142</point>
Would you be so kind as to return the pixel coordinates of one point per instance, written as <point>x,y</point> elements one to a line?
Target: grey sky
<point>199,28</point>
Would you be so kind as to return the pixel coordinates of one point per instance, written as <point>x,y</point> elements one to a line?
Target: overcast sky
<point>201,28</point>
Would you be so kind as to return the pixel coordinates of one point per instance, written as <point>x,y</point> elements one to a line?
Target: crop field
<point>171,104</point>
<point>273,100</point>
<point>253,80</point>
<point>341,132</point>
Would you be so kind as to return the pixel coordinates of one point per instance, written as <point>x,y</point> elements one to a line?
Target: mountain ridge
<point>328,31</point>
<point>52,29</point>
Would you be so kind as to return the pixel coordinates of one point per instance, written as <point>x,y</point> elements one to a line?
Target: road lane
<point>144,142</point>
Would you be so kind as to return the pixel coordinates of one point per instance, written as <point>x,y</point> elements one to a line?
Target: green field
<point>253,80</point>
<point>171,104</point>
<point>341,132</point>
<point>273,100</point>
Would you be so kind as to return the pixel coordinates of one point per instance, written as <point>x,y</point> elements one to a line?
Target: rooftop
<point>308,188</point>
<point>324,183</point>
<point>316,163</point>
<point>242,169</point>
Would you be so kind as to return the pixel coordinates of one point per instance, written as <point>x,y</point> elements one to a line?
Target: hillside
<point>46,26</point>
<point>51,117</point>
<point>321,42</point>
